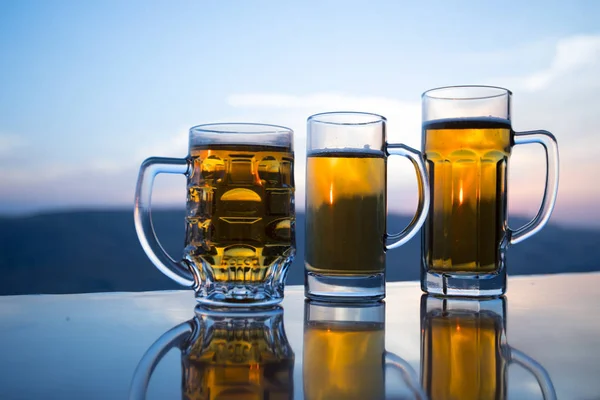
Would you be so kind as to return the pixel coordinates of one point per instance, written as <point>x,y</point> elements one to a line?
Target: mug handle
<point>540,374</point>
<point>398,239</point>
<point>175,337</point>
<point>408,374</point>
<point>548,141</point>
<point>179,271</point>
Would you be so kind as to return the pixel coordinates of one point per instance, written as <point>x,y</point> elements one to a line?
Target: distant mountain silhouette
<point>97,251</point>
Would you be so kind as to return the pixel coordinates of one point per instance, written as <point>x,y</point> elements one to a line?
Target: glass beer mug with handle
<point>240,219</point>
<point>345,357</point>
<point>346,205</point>
<point>464,351</point>
<point>467,141</point>
<point>225,355</point>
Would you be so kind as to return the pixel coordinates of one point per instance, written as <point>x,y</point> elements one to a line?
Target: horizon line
<point>167,208</point>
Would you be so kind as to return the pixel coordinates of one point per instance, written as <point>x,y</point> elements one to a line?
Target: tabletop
<point>91,345</point>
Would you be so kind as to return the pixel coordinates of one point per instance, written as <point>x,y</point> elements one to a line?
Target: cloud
<point>404,118</point>
<point>66,187</point>
<point>96,182</point>
<point>54,172</point>
<point>8,143</point>
<point>326,101</point>
<point>571,54</point>
<point>561,97</point>
<point>172,146</point>
<point>404,126</point>
<point>557,92</point>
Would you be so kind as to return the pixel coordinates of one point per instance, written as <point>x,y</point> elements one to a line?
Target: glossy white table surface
<point>87,346</point>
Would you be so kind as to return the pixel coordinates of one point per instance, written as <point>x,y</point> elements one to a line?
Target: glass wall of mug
<point>465,353</point>
<point>467,140</point>
<point>225,355</point>
<point>239,239</point>
<point>345,356</point>
<point>346,205</point>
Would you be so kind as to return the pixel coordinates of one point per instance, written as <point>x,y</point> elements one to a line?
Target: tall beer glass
<point>346,205</point>
<point>467,142</point>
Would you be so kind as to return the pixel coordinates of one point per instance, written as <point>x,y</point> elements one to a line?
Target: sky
<point>90,89</point>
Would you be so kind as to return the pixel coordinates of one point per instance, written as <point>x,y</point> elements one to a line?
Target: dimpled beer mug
<point>344,355</point>
<point>465,354</point>
<point>346,206</point>
<point>239,239</point>
<point>467,141</point>
<point>225,356</point>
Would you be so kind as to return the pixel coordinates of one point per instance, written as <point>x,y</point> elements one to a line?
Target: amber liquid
<point>462,357</point>
<point>240,210</point>
<point>343,361</point>
<point>466,162</point>
<point>345,212</point>
<point>238,364</point>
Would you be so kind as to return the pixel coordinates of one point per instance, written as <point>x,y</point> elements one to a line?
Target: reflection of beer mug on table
<point>344,353</point>
<point>225,355</point>
<point>464,353</point>
<point>467,142</point>
<point>346,205</point>
<point>239,239</point>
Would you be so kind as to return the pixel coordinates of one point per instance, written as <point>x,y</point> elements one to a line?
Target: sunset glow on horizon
<point>90,90</point>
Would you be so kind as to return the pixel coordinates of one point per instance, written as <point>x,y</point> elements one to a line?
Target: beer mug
<point>346,205</point>
<point>464,352</point>
<point>467,142</point>
<point>239,239</point>
<point>225,355</point>
<point>344,353</point>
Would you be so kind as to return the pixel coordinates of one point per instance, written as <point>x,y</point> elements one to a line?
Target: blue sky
<point>89,89</point>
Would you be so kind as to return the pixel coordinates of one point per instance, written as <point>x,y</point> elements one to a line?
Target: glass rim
<point>329,118</point>
<point>495,91</point>
<point>240,128</point>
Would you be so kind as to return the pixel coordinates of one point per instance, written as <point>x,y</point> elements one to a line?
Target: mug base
<point>480,285</point>
<point>360,288</point>
<point>238,297</point>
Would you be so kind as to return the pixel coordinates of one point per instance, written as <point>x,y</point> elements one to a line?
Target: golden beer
<point>240,211</point>
<point>346,212</point>
<point>462,356</point>
<point>466,162</point>
<point>238,363</point>
<point>344,361</point>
